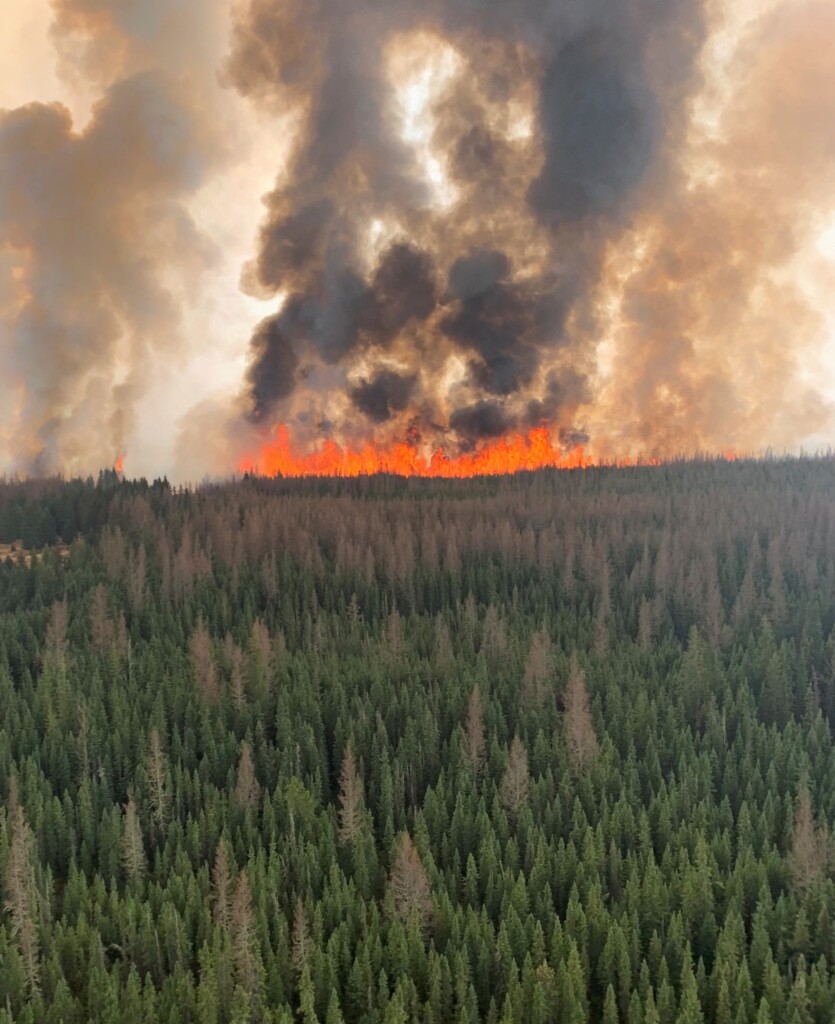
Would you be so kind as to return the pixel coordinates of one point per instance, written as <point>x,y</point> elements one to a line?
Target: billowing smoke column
<point>499,215</point>
<point>430,272</point>
<point>97,245</point>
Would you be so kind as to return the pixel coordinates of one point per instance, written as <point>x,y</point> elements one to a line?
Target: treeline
<point>549,748</point>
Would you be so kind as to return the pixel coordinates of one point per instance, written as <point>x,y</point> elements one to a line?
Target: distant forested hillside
<point>548,749</point>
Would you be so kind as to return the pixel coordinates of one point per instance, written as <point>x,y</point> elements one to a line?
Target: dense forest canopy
<point>547,749</point>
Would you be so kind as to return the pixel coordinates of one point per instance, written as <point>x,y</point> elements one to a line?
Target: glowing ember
<point>512,454</point>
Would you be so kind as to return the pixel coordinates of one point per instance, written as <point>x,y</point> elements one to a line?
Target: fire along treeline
<point>595,216</point>
<point>549,749</point>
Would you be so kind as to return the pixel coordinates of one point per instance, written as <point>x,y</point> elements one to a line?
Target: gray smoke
<point>494,216</point>
<point>97,224</point>
<point>382,396</point>
<point>519,250</point>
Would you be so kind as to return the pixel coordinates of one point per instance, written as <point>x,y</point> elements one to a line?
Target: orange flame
<point>534,450</point>
<point>119,465</point>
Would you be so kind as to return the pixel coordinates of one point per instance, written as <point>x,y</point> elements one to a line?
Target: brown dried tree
<point>538,668</point>
<point>222,886</point>
<point>580,736</point>
<point>513,791</point>
<point>809,852</point>
<point>474,731</point>
<point>202,662</point>
<point>646,624</point>
<point>247,789</point>
<point>301,938</point>
<point>443,645</point>
<point>248,966</point>
<point>136,578</point>
<point>603,611</point>
<point>157,781</point>
<point>22,896</point>
<point>56,637</point>
<point>260,655</point>
<point>83,742</point>
<point>101,627</point>
<point>113,550</point>
<point>393,636</point>
<point>133,849</point>
<point>494,635</point>
<point>237,684</point>
<point>409,883</point>
<point>122,638</point>
<point>350,798</point>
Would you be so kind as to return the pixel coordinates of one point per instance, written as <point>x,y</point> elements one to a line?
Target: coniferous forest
<point>547,749</point>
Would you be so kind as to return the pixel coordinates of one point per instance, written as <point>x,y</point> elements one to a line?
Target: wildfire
<point>534,450</point>
<point>119,465</point>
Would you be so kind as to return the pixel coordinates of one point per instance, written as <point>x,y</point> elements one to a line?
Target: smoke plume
<point>95,232</point>
<point>597,216</point>
<point>499,215</point>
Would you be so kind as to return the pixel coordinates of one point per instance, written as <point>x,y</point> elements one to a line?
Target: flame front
<point>517,452</point>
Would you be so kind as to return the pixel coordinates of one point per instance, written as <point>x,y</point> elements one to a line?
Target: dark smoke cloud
<point>503,322</point>
<point>472,275</point>
<point>337,308</point>
<point>475,152</point>
<point>402,292</point>
<point>482,419</point>
<point>600,123</point>
<point>272,374</point>
<point>382,396</point>
<point>495,325</point>
<point>343,313</point>
<point>292,244</point>
<point>566,389</point>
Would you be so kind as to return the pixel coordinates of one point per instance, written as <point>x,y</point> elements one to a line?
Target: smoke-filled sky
<point>443,220</point>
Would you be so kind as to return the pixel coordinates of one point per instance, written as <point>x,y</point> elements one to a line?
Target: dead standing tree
<point>580,737</point>
<point>474,732</point>
<point>516,779</point>
<point>409,884</point>
<point>350,798</point>
<point>22,897</point>
<point>808,857</point>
